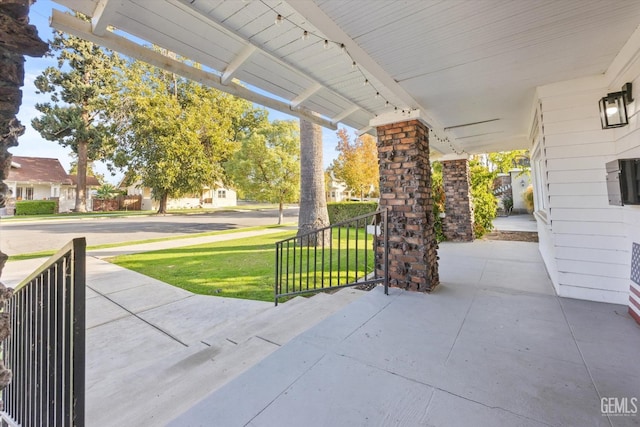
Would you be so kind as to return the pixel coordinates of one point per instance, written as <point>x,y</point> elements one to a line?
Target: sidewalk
<point>522,222</point>
<point>134,321</point>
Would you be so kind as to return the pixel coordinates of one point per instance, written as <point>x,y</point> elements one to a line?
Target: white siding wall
<point>582,238</point>
<point>41,191</point>
<point>585,242</point>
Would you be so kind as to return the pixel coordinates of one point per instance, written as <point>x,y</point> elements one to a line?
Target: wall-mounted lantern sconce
<point>613,108</point>
<point>522,183</point>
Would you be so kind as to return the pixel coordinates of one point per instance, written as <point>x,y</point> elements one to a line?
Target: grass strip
<point>41,254</point>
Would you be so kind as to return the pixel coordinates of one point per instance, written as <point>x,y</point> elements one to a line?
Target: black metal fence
<point>46,348</point>
<point>348,253</point>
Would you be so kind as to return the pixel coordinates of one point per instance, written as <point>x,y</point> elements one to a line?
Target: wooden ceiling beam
<point>236,63</point>
<point>79,28</point>
<point>102,15</point>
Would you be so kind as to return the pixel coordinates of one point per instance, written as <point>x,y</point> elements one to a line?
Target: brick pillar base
<point>457,225</point>
<point>405,191</point>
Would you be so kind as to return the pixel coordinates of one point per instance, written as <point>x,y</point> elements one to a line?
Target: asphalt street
<point>34,236</point>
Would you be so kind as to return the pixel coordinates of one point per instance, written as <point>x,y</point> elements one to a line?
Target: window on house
<point>19,193</point>
<point>28,194</point>
<point>56,192</point>
<point>222,194</point>
<point>539,172</point>
<point>333,194</point>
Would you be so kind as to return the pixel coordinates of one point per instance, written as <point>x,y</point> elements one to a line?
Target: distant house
<point>216,197</point>
<point>70,199</point>
<point>40,178</point>
<point>337,190</point>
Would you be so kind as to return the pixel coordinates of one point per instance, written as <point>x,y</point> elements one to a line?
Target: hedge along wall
<point>36,207</point>
<point>342,211</point>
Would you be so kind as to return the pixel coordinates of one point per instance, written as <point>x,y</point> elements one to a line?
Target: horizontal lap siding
<point>590,247</point>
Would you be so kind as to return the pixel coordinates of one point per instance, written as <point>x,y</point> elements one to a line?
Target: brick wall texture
<point>457,225</point>
<point>405,191</point>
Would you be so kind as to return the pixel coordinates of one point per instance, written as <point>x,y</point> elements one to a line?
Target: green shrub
<point>528,199</point>
<point>437,188</point>
<point>485,204</point>
<point>342,211</point>
<point>36,207</point>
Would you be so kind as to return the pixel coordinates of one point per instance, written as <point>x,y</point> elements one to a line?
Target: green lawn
<point>41,254</point>
<point>243,268</point>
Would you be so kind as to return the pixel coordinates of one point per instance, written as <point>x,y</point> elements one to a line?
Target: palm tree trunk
<point>313,203</point>
<point>81,178</point>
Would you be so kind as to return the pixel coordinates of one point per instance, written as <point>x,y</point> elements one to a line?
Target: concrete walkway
<point>522,222</point>
<point>492,346</point>
<point>153,350</point>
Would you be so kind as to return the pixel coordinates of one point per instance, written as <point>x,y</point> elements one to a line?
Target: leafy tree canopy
<point>357,163</point>
<point>267,166</point>
<point>81,89</point>
<point>505,161</point>
<point>175,133</point>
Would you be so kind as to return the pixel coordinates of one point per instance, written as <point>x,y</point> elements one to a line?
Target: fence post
<point>79,328</point>
<point>385,220</point>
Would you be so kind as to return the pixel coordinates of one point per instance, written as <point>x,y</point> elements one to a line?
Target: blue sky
<point>32,144</point>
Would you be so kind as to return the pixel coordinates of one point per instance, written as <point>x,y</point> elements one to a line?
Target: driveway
<point>34,236</point>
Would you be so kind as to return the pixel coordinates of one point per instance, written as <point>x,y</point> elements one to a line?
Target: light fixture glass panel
<point>613,111</point>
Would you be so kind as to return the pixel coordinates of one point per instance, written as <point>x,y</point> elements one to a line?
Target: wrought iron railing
<point>46,348</point>
<point>348,253</point>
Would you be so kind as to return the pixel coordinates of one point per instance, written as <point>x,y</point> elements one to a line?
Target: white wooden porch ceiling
<point>459,61</point>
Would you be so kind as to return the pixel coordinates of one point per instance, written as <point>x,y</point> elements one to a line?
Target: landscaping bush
<point>485,204</point>
<point>342,211</point>
<point>437,188</point>
<point>528,198</point>
<point>36,207</point>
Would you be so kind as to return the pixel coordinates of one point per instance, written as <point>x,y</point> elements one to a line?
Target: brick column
<point>457,225</point>
<point>405,191</point>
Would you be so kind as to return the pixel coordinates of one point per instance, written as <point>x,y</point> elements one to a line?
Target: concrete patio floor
<point>492,346</point>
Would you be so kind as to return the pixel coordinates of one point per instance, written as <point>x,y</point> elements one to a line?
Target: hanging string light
<point>445,140</point>
<point>326,43</point>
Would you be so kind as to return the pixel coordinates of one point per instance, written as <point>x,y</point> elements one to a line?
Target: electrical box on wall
<point>623,182</point>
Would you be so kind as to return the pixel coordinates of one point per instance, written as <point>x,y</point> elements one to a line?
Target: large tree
<point>505,161</point>
<point>81,90</point>
<point>267,166</point>
<point>313,213</point>
<point>357,163</point>
<point>175,133</point>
